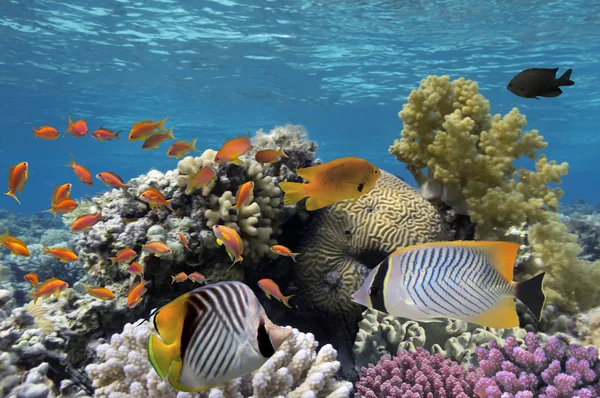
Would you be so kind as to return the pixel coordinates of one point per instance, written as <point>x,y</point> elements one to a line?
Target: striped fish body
<point>212,335</point>
<point>471,281</point>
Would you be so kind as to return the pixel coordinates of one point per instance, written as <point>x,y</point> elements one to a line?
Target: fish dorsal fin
<point>168,320</point>
<point>503,315</point>
<point>309,173</point>
<point>10,175</point>
<point>136,124</point>
<point>47,282</point>
<point>502,256</point>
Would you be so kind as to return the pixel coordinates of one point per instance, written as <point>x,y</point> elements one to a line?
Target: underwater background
<point>325,80</point>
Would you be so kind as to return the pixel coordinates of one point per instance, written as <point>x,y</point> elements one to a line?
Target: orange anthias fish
<point>85,222</point>
<point>331,182</point>
<point>99,292</point>
<point>136,269</point>
<point>17,177</point>
<point>244,196</point>
<point>232,241</point>
<point>271,289</point>
<point>144,129</point>
<point>103,134</point>
<point>81,172</point>
<point>52,286</point>
<point>180,148</point>
<point>64,207</point>
<point>155,140</point>
<point>61,193</point>
<point>184,242</point>
<point>199,180</point>
<point>197,277</point>
<point>63,254</point>
<point>180,277</point>
<point>157,248</point>
<point>269,155</point>
<point>78,129</point>
<point>112,180</point>
<point>137,290</point>
<point>46,133</point>
<point>32,278</point>
<point>232,149</point>
<point>124,256</point>
<point>284,251</point>
<point>15,245</point>
<point>155,198</point>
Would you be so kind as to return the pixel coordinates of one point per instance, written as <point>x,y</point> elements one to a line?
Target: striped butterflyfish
<point>212,335</point>
<point>467,280</point>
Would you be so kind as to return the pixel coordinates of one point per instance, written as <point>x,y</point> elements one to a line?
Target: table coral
<point>470,156</point>
<point>347,239</point>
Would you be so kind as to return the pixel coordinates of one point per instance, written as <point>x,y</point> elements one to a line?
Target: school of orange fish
<point>341,179</point>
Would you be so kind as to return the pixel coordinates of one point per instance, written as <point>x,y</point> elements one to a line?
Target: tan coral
<point>349,238</point>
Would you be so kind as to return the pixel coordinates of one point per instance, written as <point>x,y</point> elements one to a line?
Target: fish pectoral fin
<point>501,316</point>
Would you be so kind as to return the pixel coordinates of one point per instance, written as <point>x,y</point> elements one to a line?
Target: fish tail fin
<point>170,134</point>
<point>531,293</point>
<point>294,192</point>
<point>192,145</point>
<point>46,249</point>
<point>52,211</point>
<point>70,128</point>
<point>87,288</point>
<point>172,279</point>
<point>281,152</point>
<point>236,260</point>
<point>12,195</point>
<point>35,132</point>
<point>161,124</point>
<point>293,256</point>
<point>34,295</point>
<point>285,300</point>
<point>168,204</point>
<point>72,162</point>
<point>161,355</point>
<point>565,79</point>
<point>113,260</point>
<point>116,135</point>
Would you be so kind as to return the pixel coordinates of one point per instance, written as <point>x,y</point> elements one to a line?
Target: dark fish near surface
<point>542,82</point>
<point>211,335</point>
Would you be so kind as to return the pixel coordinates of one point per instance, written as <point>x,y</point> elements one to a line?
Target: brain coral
<point>349,238</point>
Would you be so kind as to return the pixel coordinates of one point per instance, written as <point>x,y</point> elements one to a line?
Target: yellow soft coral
<point>470,157</point>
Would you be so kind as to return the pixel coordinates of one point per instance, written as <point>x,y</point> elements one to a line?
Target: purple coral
<point>417,375</point>
<point>552,371</point>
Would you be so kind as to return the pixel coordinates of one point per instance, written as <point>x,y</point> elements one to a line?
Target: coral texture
<point>348,239</point>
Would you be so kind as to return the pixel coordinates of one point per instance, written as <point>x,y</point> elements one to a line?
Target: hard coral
<point>470,157</point>
<point>417,375</point>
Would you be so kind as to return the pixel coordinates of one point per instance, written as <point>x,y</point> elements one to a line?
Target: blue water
<point>218,68</point>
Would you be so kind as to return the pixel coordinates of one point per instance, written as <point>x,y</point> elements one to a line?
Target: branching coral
<point>470,157</point>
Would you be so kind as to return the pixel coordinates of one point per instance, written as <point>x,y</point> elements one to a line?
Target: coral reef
<point>348,239</point>
<point>416,375</point>
<point>296,370</point>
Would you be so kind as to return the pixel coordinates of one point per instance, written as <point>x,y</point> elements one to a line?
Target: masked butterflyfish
<point>467,280</point>
<point>211,335</point>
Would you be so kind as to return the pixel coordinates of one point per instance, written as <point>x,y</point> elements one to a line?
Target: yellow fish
<point>232,241</point>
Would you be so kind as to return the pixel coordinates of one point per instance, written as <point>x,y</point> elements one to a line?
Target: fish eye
<point>376,171</point>
<point>374,291</point>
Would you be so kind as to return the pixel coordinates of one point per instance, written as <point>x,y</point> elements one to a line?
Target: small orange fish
<point>145,128</point>
<point>137,290</point>
<point>180,277</point>
<point>184,242</point>
<point>199,180</point>
<point>244,195</point>
<point>136,269</point>
<point>64,207</point>
<point>15,245</point>
<point>270,155</point>
<point>78,129</point>
<point>271,289</point>
<point>124,256</point>
<point>232,241</point>
<point>197,277</point>
<point>112,180</point>
<point>99,292</point>
<point>17,177</point>
<point>81,172</point>
<point>232,149</point>
<point>157,248</point>
<point>180,148</point>
<point>155,140</point>
<point>52,286</point>
<point>63,254</point>
<point>61,193</point>
<point>85,222</point>
<point>32,278</point>
<point>155,198</point>
<point>46,133</point>
<point>103,134</point>
<point>284,251</point>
